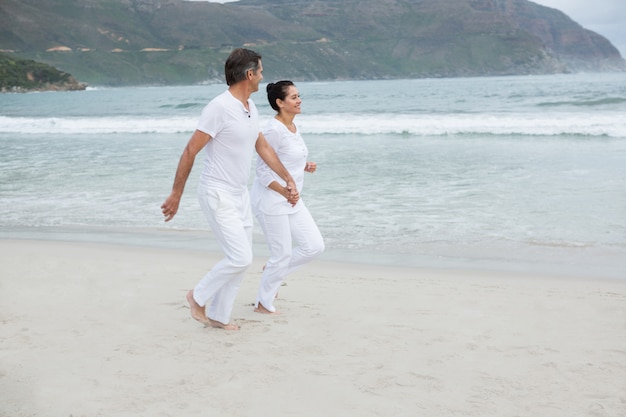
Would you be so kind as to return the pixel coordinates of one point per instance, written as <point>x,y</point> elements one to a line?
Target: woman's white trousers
<point>293,240</point>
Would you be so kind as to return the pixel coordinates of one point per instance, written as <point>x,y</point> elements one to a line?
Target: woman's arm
<point>266,152</point>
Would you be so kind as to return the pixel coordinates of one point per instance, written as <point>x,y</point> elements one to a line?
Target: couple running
<point>228,131</point>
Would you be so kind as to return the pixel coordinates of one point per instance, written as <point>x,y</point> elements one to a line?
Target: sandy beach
<point>102,330</point>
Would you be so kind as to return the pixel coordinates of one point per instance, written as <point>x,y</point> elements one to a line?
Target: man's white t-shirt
<point>233,131</point>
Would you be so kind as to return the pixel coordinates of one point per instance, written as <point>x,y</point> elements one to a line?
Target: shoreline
<point>558,261</point>
<point>104,329</point>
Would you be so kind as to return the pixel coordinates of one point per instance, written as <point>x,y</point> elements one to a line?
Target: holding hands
<point>291,193</point>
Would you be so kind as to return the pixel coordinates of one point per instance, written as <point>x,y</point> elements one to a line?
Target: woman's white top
<point>292,152</point>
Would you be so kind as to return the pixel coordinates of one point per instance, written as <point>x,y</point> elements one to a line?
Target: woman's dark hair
<point>238,63</point>
<point>277,91</point>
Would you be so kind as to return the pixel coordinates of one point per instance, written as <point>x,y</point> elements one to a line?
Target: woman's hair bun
<point>269,87</point>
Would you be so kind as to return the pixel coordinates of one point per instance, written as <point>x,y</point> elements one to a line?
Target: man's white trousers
<point>230,218</point>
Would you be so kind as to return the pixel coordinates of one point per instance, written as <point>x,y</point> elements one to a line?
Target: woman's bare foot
<point>261,309</point>
<point>219,325</point>
<point>197,312</point>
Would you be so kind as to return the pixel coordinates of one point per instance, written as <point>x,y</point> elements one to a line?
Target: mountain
<point>125,42</point>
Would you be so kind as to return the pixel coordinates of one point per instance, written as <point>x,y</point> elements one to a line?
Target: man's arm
<point>198,140</point>
<point>284,191</point>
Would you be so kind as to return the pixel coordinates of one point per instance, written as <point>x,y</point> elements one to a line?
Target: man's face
<point>257,78</point>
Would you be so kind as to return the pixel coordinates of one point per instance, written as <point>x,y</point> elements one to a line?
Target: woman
<point>283,224</point>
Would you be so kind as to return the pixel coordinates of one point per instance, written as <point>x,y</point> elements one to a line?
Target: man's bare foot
<point>197,312</point>
<point>261,309</point>
<point>219,325</point>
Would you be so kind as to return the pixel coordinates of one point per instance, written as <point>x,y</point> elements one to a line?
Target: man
<point>229,133</point>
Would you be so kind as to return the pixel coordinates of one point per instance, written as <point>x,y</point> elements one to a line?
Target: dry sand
<point>95,330</point>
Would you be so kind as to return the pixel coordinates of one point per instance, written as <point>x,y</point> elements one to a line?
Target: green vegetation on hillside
<point>126,42</point>
<point>26,74</point>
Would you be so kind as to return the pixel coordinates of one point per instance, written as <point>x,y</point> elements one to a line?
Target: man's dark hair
<point>238,63</point>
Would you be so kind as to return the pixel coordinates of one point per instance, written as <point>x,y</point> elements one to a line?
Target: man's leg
<point>230,219</point>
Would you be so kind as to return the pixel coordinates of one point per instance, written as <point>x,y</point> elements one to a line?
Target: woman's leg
<point>278,238</point>
<point>307,238</point>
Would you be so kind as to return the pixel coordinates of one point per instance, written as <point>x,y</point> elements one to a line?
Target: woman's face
<point>292,101</point>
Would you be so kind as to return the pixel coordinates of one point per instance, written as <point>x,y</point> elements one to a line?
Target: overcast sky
<point>606,17</point>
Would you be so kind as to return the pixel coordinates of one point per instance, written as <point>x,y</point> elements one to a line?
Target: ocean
<point>519,174</point>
